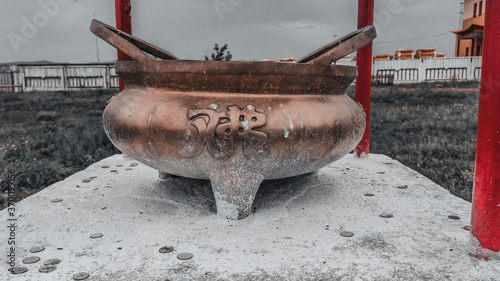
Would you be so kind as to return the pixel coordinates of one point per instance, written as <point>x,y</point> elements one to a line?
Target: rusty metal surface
<point>103,31</point>
<point>341,47</point>
<point>235,123</point>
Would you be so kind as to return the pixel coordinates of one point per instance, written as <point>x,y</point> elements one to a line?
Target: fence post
<point>485,220</point>
<point>22,76</point>
<point>123,23</point>
<point>107,78</point>
<point>12,81</point>
<point>364,79</point>
<point>422,70</point>
<point>65,77</point>
<point>470,70</point>
<point>18,86</point>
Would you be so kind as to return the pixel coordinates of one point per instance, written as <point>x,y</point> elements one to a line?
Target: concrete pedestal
<point>295,231</point>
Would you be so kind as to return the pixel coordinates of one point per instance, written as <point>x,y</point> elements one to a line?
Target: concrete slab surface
<point>295,232</point>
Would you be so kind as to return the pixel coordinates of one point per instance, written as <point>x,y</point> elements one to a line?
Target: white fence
<point>28,78</point>
<point>425,70</point>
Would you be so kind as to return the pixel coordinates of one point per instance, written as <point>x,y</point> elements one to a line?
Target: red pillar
<point>486,200</point>
<point>364,79</point>
<point>123,23</point>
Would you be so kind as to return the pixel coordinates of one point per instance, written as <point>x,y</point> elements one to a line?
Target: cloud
<point>254,29</point>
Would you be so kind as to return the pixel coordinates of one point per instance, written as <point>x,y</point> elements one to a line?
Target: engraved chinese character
<point>220,131</point>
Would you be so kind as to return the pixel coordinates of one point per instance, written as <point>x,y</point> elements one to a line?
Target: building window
<point>467,51</point>
<point>480,12</point>
<point>475,10</point>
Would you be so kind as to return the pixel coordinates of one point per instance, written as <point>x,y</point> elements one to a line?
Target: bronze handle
<point>128,44</point>
<point>341,47</point>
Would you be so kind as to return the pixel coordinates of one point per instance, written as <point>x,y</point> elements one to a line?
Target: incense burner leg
<point>162,175</point>
<point>234,191</point>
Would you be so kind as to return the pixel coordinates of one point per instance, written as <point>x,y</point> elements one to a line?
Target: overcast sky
<point>58,30</point>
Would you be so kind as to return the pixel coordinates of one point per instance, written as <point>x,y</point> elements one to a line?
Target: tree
<point>219,54</point>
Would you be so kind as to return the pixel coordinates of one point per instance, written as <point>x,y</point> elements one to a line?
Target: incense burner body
<point>234,123</point>
<point>235,129</point>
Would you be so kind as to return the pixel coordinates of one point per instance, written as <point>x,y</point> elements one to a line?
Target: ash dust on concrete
<point>293,232</point>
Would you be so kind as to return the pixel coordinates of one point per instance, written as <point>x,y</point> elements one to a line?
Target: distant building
<point>469,42</point>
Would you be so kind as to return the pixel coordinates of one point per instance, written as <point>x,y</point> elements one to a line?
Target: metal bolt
<point>19,270</point>
<point>30,260</point>
<point>166,249</point>
<point>114,171</point>
<point>346,234</point>
<point>81,276</point>
<point>369,194</point>
<point>453,217</point>
<point>52,262</point>
<point>87,180</point>
<point>96,235</point>
<point>402,187</point>
<point>185,256</point>
<point>467,228</point>
<point>119,165</point>
<point>37,249</point>
<point>57,200</point>
<point>105,166</point>
<point>386,215</point>
<point>134,164</point>
<point>93,177</point>
<point>47,268</point>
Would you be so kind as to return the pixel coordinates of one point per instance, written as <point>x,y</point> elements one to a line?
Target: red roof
<point>473,27</point>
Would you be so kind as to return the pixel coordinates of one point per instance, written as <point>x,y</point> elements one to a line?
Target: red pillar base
<point>364,79</point>
<point>485,224</point>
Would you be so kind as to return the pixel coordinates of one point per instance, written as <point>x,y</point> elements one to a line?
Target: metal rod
<point>364,79</point>
<point>486,199</point>
<point>96,41</point>
<point>123,23</point>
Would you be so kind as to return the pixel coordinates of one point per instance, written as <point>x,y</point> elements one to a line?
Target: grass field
<point>46,137</point>
<point>431,128</point>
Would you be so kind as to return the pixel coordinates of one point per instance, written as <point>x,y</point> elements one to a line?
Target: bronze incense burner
<point>234,123</point>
